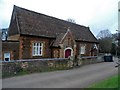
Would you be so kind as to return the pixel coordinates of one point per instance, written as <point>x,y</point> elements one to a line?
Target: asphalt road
<point>80,77</point>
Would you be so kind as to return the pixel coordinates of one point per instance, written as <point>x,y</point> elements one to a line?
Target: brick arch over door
<point>68,52</point>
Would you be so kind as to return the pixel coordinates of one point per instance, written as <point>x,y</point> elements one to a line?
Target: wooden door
<point>67,53</point>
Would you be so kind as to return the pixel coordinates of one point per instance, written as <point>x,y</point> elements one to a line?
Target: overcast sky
<point>97,14</point>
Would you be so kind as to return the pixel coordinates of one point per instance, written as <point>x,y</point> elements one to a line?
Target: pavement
<point>81,77</point>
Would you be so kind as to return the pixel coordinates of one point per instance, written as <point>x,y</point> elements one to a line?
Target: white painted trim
<point>7,53</point>
<point>68,30</point>
<point>37,51</point>
<point>17,23</point>
<point>64,36</point>
<point>70,49</point>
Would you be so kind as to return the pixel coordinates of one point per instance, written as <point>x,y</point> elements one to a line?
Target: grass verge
<point>111,82</point>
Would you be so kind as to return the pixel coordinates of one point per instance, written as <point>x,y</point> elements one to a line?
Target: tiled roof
<point>58,40</point>
<point>33,23</point>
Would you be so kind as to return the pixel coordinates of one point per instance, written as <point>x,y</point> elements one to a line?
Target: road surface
<point>80,77</point>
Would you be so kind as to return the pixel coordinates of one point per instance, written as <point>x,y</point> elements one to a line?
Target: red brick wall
<point>12,47</point>
<point>55,53</point>
<point>87,48</point>
<point>26,47</point>
<point>23,48</point>
<point>68,41</point>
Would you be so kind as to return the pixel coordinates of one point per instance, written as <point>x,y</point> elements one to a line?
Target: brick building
<point>34,35</point>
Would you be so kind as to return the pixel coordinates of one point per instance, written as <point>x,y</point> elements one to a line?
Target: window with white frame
<point>37,49</point>
<point>95,46</point>
<point>6,56</point>
<point>82,49</point>
<point>4,37</point>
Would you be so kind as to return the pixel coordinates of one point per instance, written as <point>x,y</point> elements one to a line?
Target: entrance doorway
<point>68,52</point>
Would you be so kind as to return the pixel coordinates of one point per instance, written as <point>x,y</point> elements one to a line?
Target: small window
<point>4,36</point>
<point>6,56</point>
<point>82,49</point>
<point>95,46</point>
<point>37,49</point>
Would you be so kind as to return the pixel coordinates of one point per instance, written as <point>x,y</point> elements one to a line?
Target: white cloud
<point>98,14</point>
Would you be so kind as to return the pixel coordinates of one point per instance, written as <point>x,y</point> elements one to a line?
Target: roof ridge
<point>49,16</point>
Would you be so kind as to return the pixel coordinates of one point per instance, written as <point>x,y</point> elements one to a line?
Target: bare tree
<point>104,34</point>
<point>105,44</point>
<point>105,41</point>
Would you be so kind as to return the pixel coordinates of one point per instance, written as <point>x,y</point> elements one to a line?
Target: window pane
<point>33,44</point>
<point>40,44</point>
<point>37,44</point>
<point>37,49</point>
<point>40,50</point>
<point>82,50</point>
<point>33,50</point>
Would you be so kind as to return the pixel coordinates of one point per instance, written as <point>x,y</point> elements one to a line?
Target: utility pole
<point>116,43</point>
<point>117,40</point>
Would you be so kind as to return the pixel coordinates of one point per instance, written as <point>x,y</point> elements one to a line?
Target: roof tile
<point>33,23</point>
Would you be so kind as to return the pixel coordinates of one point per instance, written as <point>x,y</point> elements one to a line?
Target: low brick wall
<point>41,65</point>
<point>30,66</point>
<point>88,60</point>
<point>85,61</point>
